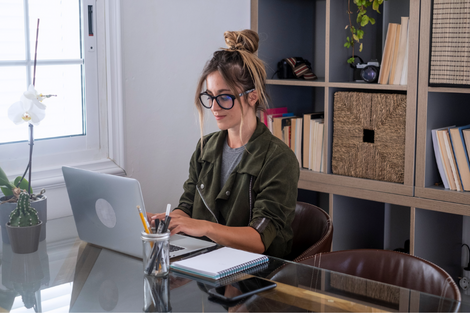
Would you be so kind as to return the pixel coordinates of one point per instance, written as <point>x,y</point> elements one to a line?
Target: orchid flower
<point>27,111</point>
<point>36,97</point>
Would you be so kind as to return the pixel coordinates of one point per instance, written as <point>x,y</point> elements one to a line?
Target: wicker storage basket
<point>369,135</point>
<point>450,41</point>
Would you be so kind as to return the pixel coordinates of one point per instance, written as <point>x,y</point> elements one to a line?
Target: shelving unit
<point>369,213</point>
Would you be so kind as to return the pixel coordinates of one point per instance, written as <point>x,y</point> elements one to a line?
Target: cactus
<point>24,214</point>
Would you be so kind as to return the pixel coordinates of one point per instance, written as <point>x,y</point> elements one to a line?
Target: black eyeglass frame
<point>224,94</point>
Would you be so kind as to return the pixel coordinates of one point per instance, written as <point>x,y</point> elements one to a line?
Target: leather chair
<point>390,267</point>
<point>313,231</point>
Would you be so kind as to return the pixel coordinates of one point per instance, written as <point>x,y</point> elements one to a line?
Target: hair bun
<point>242,40</point>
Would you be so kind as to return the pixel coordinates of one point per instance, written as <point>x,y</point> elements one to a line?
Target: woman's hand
<point>244,238</point>
<point>187,225</point>
<point>161,216</point>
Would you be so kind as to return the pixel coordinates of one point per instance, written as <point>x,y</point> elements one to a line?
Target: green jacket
<point>261,192</point>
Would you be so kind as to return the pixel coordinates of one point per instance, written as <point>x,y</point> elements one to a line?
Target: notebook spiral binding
<point>234,277</point>
<point>242,267</point>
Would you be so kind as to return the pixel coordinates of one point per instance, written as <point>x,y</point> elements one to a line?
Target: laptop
<point>104,207</point>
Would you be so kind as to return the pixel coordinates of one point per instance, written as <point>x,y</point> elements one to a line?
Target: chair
<point>313,231</point>
<point>390,267</point>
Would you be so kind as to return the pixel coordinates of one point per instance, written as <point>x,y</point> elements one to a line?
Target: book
<point>453,165</point>
<point>438,149</point>
<point>306,136</point>
<point>319,146</point>
<point>396,45</point>
<point>314,143</point>
<point>401,51</point>
<point>274,112</point>
<point>445,159</point>
<point>278,124</point>
<point>298,139</point>
<point>461,161</point>
<point>387,53</point>
<point>404,73</point>
<point>466,142</point>
<point>466,135</point>
<point>219,263</point>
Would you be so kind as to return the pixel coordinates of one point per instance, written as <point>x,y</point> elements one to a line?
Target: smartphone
<point>241,289</point>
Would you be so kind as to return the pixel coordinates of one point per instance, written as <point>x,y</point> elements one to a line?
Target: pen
<point>144,221</point>
<point>167,218</point>
<point>200,252</point>
<point>162,224</point>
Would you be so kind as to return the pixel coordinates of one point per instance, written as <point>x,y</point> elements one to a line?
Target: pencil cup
<point>156,254</point>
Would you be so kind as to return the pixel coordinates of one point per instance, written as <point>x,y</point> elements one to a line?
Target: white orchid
<point>36,97</point>
<point>26,110</point>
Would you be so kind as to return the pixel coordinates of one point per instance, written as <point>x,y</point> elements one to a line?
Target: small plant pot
<point>6,208</point>
<point>24,239</point>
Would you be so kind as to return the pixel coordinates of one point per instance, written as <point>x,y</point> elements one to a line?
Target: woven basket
<point>450,43</point>
<point>369,135</point>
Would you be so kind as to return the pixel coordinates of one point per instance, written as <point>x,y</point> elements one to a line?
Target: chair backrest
<point>390,267</point>
<point>313,231</point>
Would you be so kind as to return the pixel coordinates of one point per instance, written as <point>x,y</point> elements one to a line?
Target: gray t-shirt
<point>230,159</point>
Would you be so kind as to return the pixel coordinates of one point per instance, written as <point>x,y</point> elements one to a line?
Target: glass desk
<point>68,275</point>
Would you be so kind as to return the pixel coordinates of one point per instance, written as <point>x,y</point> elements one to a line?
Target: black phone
<point>241,289</point>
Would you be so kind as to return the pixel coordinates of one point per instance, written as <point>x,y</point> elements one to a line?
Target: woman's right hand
<point>151,217</point>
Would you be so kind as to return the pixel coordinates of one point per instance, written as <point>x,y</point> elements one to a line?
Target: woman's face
<point>226,119</point>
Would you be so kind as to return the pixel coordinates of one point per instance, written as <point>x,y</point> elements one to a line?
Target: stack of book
<point>451,149</point>
<point>304,135</point>
<point>394,67</point>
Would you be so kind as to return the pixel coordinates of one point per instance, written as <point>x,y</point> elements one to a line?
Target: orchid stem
<point>35,55</point>
<point>31,144</point>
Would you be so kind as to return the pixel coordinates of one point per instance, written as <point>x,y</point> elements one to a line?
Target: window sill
<point>52,178</point>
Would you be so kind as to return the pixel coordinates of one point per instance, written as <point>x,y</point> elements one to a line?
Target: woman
<point>242,185</point>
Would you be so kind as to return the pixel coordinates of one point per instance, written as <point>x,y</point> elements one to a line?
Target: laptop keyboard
<point>174,248</point>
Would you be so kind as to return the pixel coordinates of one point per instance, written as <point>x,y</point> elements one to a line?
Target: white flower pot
<point>6,208</point>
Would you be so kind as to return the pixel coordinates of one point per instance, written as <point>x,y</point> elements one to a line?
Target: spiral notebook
<point>219,263</point>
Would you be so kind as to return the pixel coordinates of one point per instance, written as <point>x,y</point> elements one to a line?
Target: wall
<point>165,45</point>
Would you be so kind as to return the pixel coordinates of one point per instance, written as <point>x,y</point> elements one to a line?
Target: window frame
<point>101,149</point>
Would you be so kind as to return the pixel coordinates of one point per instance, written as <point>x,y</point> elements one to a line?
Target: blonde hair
<point>239,67</point>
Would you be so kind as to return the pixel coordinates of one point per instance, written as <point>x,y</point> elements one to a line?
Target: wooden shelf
<point>319,82</point>
<point>353,85</point>
<point>432,218</point>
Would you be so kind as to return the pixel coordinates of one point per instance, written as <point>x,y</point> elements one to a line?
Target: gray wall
<point>165,44</point>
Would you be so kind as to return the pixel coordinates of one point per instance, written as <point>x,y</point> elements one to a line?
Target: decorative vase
<point>6,208</point>
<point>24,239</point>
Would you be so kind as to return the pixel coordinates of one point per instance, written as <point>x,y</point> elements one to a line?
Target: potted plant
<point>8,203</point>
<point>24,226</point>
<point>362,19</point>
<point>30,110</point>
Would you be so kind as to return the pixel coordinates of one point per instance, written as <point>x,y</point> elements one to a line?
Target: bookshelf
<point>369,213</point>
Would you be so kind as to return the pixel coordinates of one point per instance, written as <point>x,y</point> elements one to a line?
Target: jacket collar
<point>252,159</point>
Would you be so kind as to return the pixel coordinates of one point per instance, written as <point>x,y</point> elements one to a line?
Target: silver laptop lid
<point>104,209</point>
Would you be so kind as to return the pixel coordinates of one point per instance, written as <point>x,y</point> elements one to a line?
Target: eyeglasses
<point>225,101</point>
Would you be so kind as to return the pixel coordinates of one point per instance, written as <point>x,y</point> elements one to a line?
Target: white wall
<point>165,44</point>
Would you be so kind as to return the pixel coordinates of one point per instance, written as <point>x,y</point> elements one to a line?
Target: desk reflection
<point>113,284</point>
<point>24,275</point>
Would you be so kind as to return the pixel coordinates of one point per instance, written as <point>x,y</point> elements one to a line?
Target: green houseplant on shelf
<point>20,209</point>
<point>362,20</point>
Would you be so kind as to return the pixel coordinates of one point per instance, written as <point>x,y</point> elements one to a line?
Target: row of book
<point>304,135</point>
<point>452,149</point>
<point>394,67</point>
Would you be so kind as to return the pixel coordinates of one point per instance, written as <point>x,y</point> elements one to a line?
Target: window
<point>70,65</point>
<point>59,67</point>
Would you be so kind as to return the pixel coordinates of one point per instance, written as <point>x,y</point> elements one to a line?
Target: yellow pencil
<point>143,220</point>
